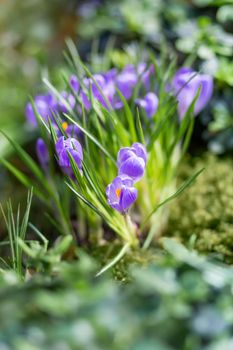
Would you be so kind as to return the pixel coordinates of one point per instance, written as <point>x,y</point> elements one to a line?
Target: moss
<point>206,209</point>
<point>121,271</point>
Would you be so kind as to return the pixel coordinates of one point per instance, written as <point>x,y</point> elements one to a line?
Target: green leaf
<point>26,159</point>
<point>87,202</point>
<point>129,116</point>
<point>160,127</point>
<point>26,181</point>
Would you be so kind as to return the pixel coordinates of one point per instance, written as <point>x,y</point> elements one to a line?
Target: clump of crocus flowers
<point>104,88</point>
<point>131,163</point>
<point>92,118</point>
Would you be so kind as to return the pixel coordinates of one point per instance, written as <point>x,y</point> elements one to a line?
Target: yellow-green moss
<point>206,209</point>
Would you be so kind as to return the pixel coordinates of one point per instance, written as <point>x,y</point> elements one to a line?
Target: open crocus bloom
<point>131,161</point>
<point>71,146</point>
<point>149,103</point>
<point>120,194</point>
<point>186,83</point>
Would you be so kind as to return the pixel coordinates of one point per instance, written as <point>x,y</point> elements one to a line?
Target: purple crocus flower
<point>74,83</point>
<point>131,161</point>
<point>110,75</point>
<point>69,99</point>
<point>42,153</point>
<point>106,87</point>
<point>106,84</point>
<point>70,129</point>
<point>99,82</point>
<point>149,103</point>
<point>44,104</point>
<point>145,73</point>
<point>120,194</point>
<point>126,81</point>
<point>71,146</point>
<point>186,83</point>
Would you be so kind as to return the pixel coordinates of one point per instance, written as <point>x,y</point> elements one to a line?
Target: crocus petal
<point>185,99</point>
<point>42,152</point>
<point>140,150</point>
<point>117,207</point>
<point>128,197</point>
<point>76,146</point>
<point>145,73</point>
<point>133,167</point>
<point>69,146</point>
<point>69,100</point>
<point>73,130</point>
<point>64,160</point>
<point>74,83</point>
<point>126,180</point>
<point>120,193</point>
<point>60,144</point>
<point>29,112</point>
<point>149,103</point>
<point>206,92</point>
<point>111,191</point>
<point>85,100</point>
<point>126,81</point>
<point>186,83</point>
<point>123,154</point>
<point>110,75</point>
<point>44,105</point>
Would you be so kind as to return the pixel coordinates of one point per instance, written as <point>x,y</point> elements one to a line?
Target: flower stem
<point>131,228</point>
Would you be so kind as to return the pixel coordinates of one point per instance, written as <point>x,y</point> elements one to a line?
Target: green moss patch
<point>205,211</point>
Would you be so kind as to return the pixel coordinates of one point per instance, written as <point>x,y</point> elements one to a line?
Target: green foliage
<point>204,214</point>
<point>180,302</point>
<point>16,231</point>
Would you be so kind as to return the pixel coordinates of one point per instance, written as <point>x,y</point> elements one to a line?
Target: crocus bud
<point>71,146</point>
<point>131,161</point>
<point>74,83</point>
<point>42,153</point>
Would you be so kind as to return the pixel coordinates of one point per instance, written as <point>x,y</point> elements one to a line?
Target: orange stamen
<point>118,192</point>
<point>64,125</point>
